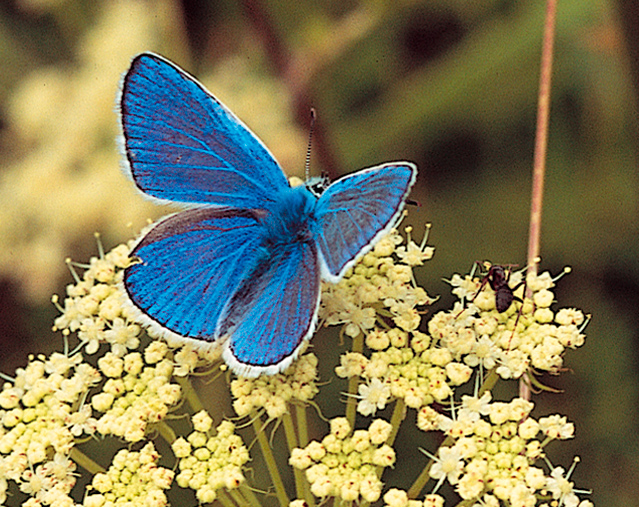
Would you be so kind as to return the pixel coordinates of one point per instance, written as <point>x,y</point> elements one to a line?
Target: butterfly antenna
<point>307,164</point>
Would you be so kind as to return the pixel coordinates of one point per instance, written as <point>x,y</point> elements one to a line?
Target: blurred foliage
<point>450,85</point>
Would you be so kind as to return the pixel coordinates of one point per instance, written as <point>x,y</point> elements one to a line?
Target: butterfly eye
<point>318,185</point>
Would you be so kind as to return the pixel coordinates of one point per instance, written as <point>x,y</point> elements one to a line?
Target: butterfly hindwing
<point>183,145</point>
<point>274,312</point>
<point>190,265</point>
<point>356,210</point>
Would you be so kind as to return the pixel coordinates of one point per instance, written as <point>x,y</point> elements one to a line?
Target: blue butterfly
<point>241,266</point>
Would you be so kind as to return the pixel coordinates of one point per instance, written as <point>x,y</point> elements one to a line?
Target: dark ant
<point>498,277</point>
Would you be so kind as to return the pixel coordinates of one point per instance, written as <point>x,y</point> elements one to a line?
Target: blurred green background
<point>450,85</point>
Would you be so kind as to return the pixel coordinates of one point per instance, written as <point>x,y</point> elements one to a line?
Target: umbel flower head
<point>123,385</point>
<point>134,478</point>
<point>495,448</point>
<point>403,362</point>
<point>527,335</point>
<point>272,393</point>
<point>42,413</point>
<point>344,464</point>
<point>210,460</point>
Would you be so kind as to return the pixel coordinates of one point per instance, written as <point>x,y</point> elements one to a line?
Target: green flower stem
<point>271,464</point>
<point>489,382</point>
<point>291,440</point>
<point>85,462</point>
<point>424,476</point>
<point>302,441</point>
<point>190,394</point>
<point>248,494</point>
<point>353,383</point>
<point>399,412</point>
<point>351,401</point>
<point>226,500</point>
<point>467,503</point>
<point>302,426</point>
<point>421,481</point>
<point>166,432</point>
<point>239,498</point>
<point>289,430</point>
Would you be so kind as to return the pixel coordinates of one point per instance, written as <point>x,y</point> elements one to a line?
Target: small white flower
<point>476,406</point>
<point>561,489</point>
<point>484,352</point>
<point>448,465</point>
<point>557,426</point>
<point>373,396</point>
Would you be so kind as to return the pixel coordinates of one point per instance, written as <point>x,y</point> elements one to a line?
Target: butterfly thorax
<point>289,220</point>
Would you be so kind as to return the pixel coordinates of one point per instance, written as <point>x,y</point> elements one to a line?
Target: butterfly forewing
<point>183,145</point>
<point>189,266</point>
<point>356,210</point>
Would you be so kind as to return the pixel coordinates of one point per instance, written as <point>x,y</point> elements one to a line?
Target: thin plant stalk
<point>541,139</point>
<point>541,149</point>
<point>250,497</point>
<point>271,464</point>
<point>302,426</point>
<point>353,383</point>
<point>85,462</point>
<point>291,440</point>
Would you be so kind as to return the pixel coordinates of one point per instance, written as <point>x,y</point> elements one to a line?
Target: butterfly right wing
<point>182,144</point>
<point>190,265</point>
<point>354,212</point>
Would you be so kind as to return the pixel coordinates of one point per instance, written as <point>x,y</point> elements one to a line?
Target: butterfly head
<point>318,184</point>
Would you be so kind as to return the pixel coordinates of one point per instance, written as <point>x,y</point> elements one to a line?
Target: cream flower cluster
<point>399,498</point>
<point>138,392</point>
<point>408,368</point>
<point>210,460</point>
<point>95,310</point>
<point>380,300</point>
<point>272,393</point>
<point>524,336</point>
<point>345,463</point>
<point>94,305</point>
<point>41,413</point>
<point>134,478</point>
<point>384,279</point>
<point>494,450</point>
<point>490,456</point>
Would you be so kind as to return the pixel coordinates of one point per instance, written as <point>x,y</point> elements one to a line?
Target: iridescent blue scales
<point>242,265</point>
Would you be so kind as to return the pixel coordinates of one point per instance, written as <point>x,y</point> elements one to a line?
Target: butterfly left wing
<point>274,312</point>
<point>355,211</point>
<point>183,145</point>
<point>190,265</point>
